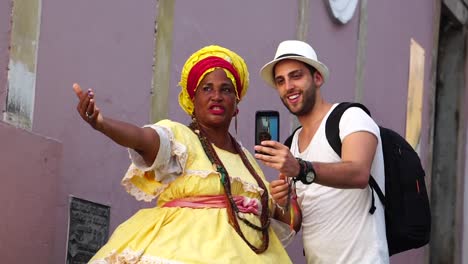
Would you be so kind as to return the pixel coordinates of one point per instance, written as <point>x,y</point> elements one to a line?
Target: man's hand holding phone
<point>277,156</point>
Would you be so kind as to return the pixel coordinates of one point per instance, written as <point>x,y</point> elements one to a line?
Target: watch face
<point>310,177</point>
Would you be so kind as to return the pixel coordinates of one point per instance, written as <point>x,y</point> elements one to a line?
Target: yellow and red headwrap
<point>205,61</point>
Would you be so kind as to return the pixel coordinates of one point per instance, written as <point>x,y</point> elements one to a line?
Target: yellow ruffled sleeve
<point>146,183</point>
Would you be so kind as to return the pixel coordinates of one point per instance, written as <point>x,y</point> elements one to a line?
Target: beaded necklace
<point>232,209</point>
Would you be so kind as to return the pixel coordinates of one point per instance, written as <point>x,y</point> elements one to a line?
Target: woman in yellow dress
<point>213,204</point>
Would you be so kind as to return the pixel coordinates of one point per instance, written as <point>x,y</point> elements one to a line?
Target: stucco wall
<point>30,169</point>
<point>5,15</point>
<point>465,210</point>
<point>464,194</point>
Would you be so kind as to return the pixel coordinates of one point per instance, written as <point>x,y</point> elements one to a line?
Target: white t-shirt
<point>337,225</point>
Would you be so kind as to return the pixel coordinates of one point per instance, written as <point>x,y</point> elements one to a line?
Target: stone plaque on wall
<point>88,229</point>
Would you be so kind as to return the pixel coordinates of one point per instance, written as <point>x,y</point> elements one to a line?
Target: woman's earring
<point>235,123</point>
<point>235,119</point>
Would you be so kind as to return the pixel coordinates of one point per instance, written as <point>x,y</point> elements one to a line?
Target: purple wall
<point>106,45</point>
<point>252,32</point>
<point>388,59</point>
<point>30,170</point>
<point>336,46</point>
<point>386,78</point>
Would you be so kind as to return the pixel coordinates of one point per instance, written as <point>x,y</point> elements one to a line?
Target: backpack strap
<point>332,128</point>
<point>288,141</point>
<point>373,184</point>
<point>332,132</point>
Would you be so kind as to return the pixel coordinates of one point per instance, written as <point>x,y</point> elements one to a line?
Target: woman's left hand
<point>279,190</point>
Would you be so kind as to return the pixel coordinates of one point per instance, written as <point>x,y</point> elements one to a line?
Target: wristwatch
<point>306,172</point>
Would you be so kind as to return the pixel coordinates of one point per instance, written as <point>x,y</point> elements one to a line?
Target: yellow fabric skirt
<point>162,235</point>
<point>166,235</point>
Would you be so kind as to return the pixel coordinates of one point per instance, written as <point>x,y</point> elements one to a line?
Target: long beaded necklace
<point>232,209</point>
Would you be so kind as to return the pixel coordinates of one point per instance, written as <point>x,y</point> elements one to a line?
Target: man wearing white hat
<point>333,192</point>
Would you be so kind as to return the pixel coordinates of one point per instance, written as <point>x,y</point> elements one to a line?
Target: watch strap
<point>304,168</point>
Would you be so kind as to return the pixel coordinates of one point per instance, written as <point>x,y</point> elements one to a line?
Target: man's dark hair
<point>311,69</point>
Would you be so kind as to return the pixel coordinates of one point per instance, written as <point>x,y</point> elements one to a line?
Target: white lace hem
<point>170,159</point>
<point>143,196</point>
<point>133,257</point>
<point>168,165</point>
<point>137,192</point>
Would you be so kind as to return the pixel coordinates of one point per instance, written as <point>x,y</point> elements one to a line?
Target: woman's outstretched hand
<point>87,108</point>
<point>145,140</point>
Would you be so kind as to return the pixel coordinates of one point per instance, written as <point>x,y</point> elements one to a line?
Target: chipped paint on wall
<point>21,90</point>
<point>21,80</point>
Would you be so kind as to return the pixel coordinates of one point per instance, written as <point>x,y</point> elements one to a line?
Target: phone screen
<point>266,126</point>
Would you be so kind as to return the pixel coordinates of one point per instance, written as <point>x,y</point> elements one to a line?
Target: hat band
<point>288,54</point>
<point>205,64</point>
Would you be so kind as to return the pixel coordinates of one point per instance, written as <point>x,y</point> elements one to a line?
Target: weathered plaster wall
<point>5,16</point>
<point>464,194</point>
<point>22,63</point>
<point>30,170</point>
<point>445,181</point>
<point>465,208</point>
<point>464,185</point>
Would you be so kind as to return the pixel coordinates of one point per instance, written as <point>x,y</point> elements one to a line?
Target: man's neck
<point>316,115</point>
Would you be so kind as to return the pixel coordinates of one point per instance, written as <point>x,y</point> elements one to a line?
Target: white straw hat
<point>294,50</point>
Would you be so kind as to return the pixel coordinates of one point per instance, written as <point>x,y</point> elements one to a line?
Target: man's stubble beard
<point>308,102</point>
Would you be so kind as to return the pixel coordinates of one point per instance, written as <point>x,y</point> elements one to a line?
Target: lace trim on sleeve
<point>247,186</point>
<point>142,185</point>
<point>146,183</point>
<point>171,157</point>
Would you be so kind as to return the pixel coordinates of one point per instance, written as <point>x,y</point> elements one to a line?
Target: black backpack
<point>407,211</point>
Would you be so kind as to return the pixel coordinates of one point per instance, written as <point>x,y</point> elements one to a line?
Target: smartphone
<point>266,126</point>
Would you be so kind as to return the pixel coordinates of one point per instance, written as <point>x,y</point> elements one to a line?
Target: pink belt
<point>245,204</point>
